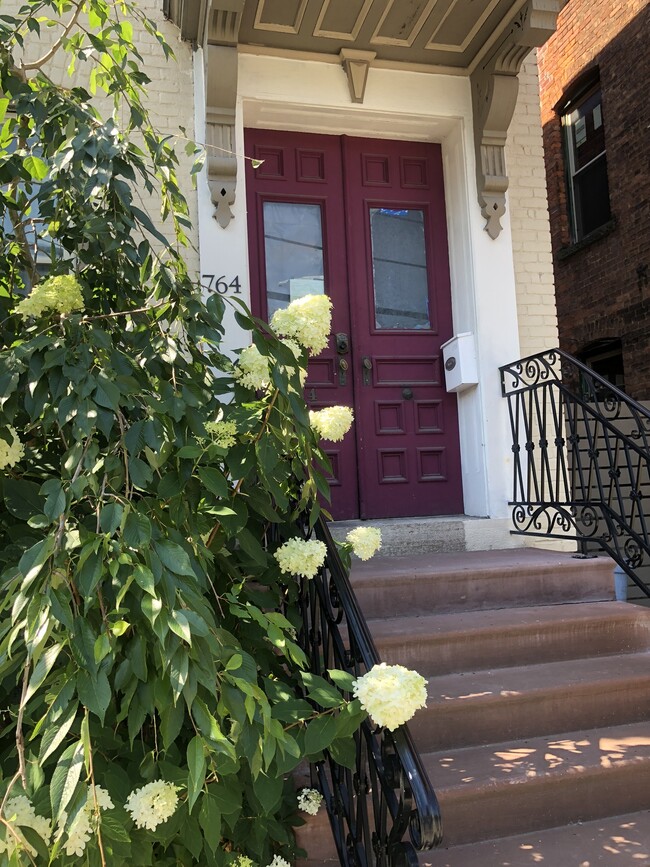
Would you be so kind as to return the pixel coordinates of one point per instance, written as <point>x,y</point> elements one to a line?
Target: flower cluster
<point>309,800</point>
<point>279,861</point>
<point>332,423</point>
<point>81,826</point>
<point>11,453</point>
<point>253,369</point>
<point>301,557</point>
<point>152,804</point>
<point>242,861</point>
<point>391,694</point>
<point>365,541</point>
<point>19,813</point>
<point>61,294</point>
<point>308,320</point>
<point>223,433</point>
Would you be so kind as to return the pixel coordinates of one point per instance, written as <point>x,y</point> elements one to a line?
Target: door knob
<point>366,364</point>
<point>343,366</point>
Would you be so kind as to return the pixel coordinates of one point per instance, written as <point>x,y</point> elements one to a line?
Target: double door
<point>363,220</point>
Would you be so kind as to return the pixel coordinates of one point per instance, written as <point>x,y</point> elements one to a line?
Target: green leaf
<point>320,734</point>
<point>23,499</point>
<point>268,791</point>
<point>94,692</point>
<point>210,820</point>
<point>36,167</point>
<point>42,669</point>
<point>54,495</point>
<point>343,679</point>
<point>174,558</point>
<point>137,530</point>
<point>180,625</point>
<point>144,579</point>
<point>88,576</point>
<point>196,765</point>
<point>54,736</point>
<point>214,481</point>
<point>65,778</point>
<point>344,752</point>
<point>110,517</point>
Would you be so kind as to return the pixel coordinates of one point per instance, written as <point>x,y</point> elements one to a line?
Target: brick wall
<point>531,241</point>
<point>601,289</point>
<point>170,97</point>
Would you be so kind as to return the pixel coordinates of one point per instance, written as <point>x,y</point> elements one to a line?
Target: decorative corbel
<point>221,35</point>
<point>221,99</point>
<point>495,86</point>
<point>356,65</point>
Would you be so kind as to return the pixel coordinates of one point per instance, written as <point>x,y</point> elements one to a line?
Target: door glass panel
<point>293,249</point>
<point>399,268</point>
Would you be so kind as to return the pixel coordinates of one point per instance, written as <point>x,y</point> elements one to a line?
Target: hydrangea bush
<point>155,699</point>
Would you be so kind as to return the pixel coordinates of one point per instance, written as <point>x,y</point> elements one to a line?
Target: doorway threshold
<point>439,533</point>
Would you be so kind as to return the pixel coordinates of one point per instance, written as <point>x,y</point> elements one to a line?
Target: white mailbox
<point>459,355</point>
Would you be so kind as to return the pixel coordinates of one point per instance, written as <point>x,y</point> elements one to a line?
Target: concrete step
<point>531,784</point>
<point>476,580</point>
<point>445,643</point>
<point>622,841</point>
<point>481,707</point>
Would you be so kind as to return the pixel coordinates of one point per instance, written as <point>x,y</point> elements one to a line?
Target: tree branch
<point>36,64</point>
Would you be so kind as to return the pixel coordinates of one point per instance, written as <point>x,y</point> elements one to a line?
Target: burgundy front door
<point>364,221</point>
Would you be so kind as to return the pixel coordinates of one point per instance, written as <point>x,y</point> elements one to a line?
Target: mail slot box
<point>459,356</point>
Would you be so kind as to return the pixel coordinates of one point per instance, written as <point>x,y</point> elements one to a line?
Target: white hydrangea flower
<point>81,827</point>
<point>331,423</point>
<point>279,861</point>
<point>307,320</point>
<point>365,541</point>
<point>301,557</point>
<point>153,804</point>
<point>309,800</point>
<point>223,432</point>
<point>11,453</point>
<point>391,694</point>
<point>20,813</point>
<point>61,294</point>
<point>253,369</point>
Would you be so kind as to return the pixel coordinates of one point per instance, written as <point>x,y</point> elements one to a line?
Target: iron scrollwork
<point>384,810</point>
<point>581,459</point>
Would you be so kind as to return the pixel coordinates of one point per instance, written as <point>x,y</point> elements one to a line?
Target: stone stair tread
<point>415,567</point>
<point>521,761</point>
<point>474,688</point>
<point>522,619</point>
<point>621,841</point>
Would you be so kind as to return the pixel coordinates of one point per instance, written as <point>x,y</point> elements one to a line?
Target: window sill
<point>601,232</point>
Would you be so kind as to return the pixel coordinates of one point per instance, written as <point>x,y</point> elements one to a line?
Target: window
<point>605,357</point>
<point>584,142</point>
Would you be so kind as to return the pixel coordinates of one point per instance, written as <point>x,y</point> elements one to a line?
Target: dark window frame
<point>587,184</point>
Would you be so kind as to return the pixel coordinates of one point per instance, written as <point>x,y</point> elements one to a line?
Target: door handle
<point>366,364</point>
<point>343,367</point>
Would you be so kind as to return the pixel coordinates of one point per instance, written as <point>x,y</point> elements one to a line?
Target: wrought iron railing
<point>581,459</point>
<point>384,810</point>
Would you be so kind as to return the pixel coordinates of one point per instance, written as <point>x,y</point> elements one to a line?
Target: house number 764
<point>221,284</point>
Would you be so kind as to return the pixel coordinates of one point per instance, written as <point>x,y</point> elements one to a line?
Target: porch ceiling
<point>440,33</point>
<point>487,40</point>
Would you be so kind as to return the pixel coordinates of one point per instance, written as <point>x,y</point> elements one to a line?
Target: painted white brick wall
<point>170,99</point>
<point>531,239</point>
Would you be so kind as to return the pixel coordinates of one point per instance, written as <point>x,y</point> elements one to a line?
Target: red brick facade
<point>603,287</point>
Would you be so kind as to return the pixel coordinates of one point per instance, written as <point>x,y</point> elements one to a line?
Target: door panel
<point>328,213</point>
<point>297,247</point>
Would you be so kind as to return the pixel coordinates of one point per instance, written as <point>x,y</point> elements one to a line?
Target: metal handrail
<point>388,794</point>
<point>581,466</point>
